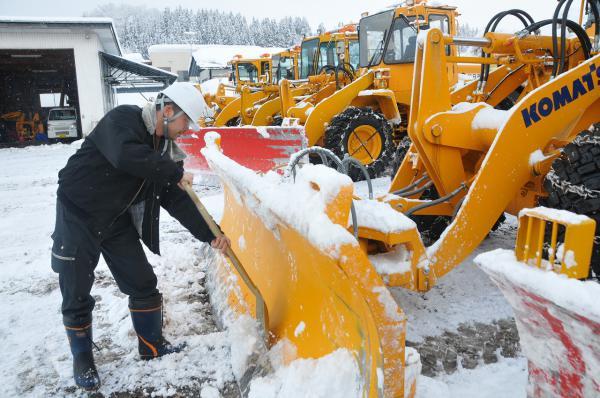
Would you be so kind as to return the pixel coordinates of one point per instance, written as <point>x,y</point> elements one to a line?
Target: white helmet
<point>187,97</point>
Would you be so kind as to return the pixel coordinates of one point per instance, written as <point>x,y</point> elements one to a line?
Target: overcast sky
<point>330,12</point>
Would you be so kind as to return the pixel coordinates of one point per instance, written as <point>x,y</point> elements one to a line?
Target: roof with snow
<point>103,27</point>
<point>217,56</point>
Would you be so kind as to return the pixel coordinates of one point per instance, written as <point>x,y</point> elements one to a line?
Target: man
<point>109,196</point>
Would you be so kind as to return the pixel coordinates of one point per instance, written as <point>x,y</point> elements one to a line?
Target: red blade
<point>258,148</point>
<point>559,325</point>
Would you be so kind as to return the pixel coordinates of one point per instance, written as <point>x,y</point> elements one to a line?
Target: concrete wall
<point>90,86</point>
<point>171,60</point>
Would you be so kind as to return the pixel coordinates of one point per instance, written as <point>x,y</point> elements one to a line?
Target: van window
<point>62,114</point>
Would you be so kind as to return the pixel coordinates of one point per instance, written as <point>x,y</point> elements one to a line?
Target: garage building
<point>63,62</point>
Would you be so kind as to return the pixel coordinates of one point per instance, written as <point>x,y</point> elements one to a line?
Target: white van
<point>62,123</point>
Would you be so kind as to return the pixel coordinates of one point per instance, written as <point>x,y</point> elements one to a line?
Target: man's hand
<point>186,179</point>
<point>222,243</point>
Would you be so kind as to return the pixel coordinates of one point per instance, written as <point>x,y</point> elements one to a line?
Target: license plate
<point>61,135</point>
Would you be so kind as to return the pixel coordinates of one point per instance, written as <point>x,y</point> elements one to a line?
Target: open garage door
<point>32,84</point>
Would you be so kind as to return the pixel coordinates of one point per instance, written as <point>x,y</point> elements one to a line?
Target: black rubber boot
<point>146,315</point>
<point>84,369</point>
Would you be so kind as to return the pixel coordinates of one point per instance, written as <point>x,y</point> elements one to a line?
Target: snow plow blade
<point>558,317</point>
<point>321,292</point>
<point>257,148</point>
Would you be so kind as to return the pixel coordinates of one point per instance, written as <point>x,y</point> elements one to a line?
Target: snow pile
<point>301,204</point>
<point>505,379</point>
<point>331,376</point>
<point>37,361</point>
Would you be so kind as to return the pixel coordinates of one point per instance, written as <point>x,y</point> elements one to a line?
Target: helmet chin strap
<point>165,123</point>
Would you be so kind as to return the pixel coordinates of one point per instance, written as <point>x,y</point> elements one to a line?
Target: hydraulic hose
<point>586,45</point>
<point>523,16</point>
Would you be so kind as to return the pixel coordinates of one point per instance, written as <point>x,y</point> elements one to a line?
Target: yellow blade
<point>320,296</point>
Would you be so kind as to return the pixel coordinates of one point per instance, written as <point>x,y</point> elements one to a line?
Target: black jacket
<point>117,166</point>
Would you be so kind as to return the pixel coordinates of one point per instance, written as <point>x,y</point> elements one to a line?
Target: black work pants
<point>75,254</point>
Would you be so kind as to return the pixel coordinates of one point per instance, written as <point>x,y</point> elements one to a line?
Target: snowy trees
<point>139,27</point>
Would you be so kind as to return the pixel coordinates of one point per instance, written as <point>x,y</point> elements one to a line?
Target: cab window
<point>247,72</point>
<point>327,54</point>
<point>354,54</point>
<point>402,43</point>
<point>308,53</point>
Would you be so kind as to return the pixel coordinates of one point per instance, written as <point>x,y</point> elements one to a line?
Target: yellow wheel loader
<point>326,63</point>
<point>25,127</point>
<point>259,104</point>
<point>320,258</point>
<point>254,73</point>
<point>368,118</point>
<point>324,58</point>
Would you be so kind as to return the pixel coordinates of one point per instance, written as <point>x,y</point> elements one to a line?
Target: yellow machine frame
<point>383,87</point>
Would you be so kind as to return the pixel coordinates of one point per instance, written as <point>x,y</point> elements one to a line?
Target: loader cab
<point>251,71</point>
<point>329,49</point>
<point>246,72</point>
<point>285,66</point>
<point>389,40</point>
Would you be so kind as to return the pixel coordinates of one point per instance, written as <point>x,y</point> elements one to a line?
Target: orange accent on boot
<point>79,328</point>
<point>152,348</point>
<point>147,310</point>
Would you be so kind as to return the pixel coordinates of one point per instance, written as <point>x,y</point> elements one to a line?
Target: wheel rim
<point>365,144</point>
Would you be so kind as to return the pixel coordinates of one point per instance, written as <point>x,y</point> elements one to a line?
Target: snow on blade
<point>331,376</point>
<point>397,261</point>
<point>558,320</point>
<point>572,294</point>
<point>380,216</point>
<point>297,204</point>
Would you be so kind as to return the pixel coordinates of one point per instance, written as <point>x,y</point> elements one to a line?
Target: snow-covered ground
<point>36,360</point>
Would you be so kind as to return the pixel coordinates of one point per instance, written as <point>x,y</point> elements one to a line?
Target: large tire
<point>365,135</point>
<point>573,183</point>
<point>277,120</point>
<point>233,122</point>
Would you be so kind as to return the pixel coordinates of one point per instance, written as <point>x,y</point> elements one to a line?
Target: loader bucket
<point>558,320</point>
<point>258,148</point>
<point>321,292</point>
